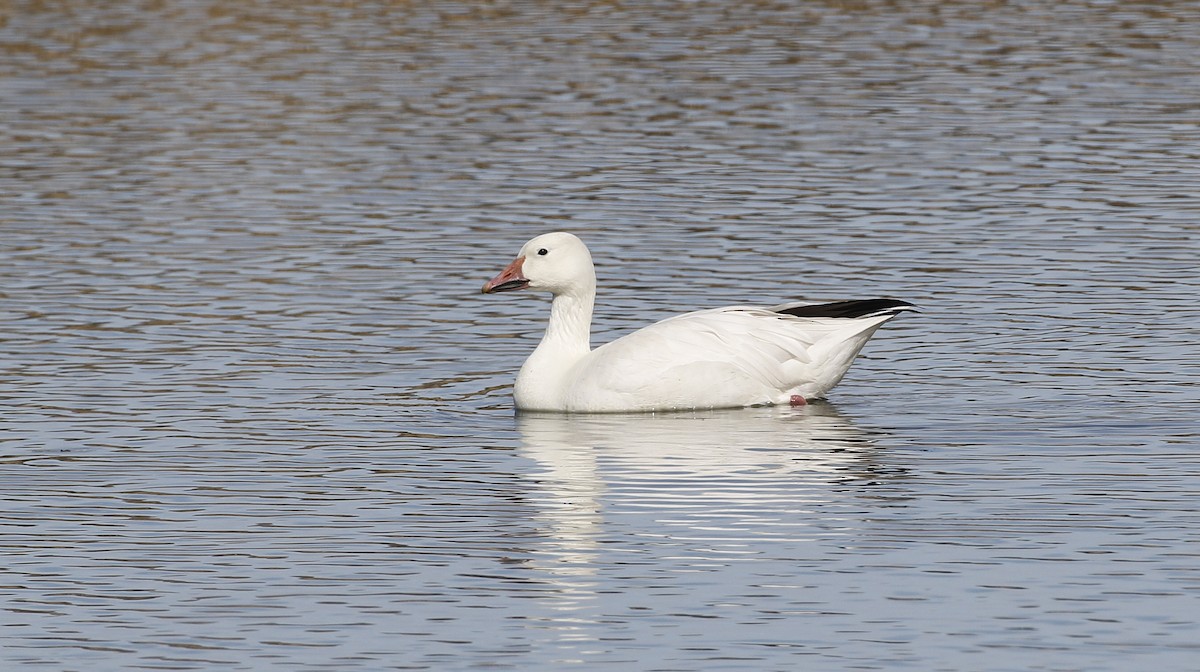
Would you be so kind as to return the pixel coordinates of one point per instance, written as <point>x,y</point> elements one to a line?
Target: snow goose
<point>719,358</point>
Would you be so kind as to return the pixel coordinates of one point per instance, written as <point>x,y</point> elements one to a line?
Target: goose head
<point>558,263</point>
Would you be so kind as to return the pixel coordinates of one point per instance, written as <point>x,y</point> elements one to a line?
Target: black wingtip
<point>850,309</point>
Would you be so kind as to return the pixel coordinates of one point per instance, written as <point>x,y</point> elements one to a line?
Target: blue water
<point>254,414</point>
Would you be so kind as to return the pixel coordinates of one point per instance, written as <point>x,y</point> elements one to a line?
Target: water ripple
<point>256,415</point>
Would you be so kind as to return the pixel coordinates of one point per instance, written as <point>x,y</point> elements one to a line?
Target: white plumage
<point>719,358</point>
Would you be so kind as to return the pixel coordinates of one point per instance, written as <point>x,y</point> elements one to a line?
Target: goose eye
<point>543,252</point>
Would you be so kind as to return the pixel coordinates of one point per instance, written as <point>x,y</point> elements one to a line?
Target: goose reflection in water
<point>713,484</point>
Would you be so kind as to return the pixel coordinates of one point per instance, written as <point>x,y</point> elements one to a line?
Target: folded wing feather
<point>726,356</point>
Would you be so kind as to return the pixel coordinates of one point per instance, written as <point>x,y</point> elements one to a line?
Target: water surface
<point>254,414</point>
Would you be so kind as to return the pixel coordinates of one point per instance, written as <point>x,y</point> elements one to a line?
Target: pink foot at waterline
<point>798,400</point>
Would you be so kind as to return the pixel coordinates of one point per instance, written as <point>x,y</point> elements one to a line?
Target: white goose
<point>719,358</point>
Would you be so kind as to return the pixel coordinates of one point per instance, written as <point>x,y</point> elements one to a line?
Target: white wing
<point>735,356</point>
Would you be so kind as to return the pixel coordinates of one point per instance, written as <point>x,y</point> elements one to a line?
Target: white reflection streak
<point>570,487</point>
<point>754,472</point>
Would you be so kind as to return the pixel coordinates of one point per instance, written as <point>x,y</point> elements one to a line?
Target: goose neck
<point>571,322</point>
